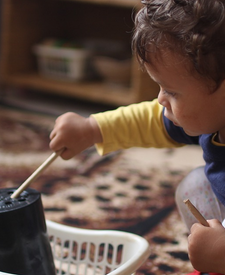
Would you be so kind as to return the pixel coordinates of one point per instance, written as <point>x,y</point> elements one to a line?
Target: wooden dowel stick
<point>196,213</point>
<point>36,173</point>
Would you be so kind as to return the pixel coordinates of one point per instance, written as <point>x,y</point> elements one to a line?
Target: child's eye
<point>169,93</point>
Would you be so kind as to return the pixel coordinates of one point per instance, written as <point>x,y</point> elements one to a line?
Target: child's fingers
<point>52,134</point>
<point>214,223</point>
<point>67,154</point>
<point>196,226</point>
<point>55,144</point>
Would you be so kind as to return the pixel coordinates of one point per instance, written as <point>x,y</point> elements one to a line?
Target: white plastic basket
<point>94,252</point>
<point>61,63</point>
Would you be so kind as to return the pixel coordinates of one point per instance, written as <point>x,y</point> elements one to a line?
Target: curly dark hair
<point>193,28</point>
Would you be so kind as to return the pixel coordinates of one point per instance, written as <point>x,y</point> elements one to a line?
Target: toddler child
<point>181,45</point>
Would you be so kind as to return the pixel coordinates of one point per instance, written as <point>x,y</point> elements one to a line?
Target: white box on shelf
<point>61,63</point>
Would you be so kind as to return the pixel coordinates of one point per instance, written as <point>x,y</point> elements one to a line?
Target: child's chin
<point>191,133</point>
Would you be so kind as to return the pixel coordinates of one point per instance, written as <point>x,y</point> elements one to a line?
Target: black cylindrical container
<point>24,244</point>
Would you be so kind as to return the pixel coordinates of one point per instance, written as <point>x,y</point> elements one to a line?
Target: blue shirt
<point>213,155</point>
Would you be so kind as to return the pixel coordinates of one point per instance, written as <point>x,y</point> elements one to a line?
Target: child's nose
<point>161,98</point>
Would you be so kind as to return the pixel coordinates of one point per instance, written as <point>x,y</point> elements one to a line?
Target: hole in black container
<point>22,199</point>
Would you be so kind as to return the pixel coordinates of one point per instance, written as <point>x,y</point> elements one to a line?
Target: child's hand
<point>206,247</point>
<point>74,133</point>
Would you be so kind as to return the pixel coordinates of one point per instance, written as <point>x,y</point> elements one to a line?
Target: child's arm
<point>206,247</point>
<point>74,133</point>
<point>136,125</point>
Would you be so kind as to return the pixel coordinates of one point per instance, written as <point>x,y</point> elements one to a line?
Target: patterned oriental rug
<point>126,190</point>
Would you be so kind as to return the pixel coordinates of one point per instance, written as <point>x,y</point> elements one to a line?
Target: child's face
<point>188,101</point>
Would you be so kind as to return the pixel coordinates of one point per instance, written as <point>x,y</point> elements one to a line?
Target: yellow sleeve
<point>136,125</point>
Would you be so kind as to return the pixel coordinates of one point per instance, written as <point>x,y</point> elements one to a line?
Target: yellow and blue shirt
<point>144,125</point>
